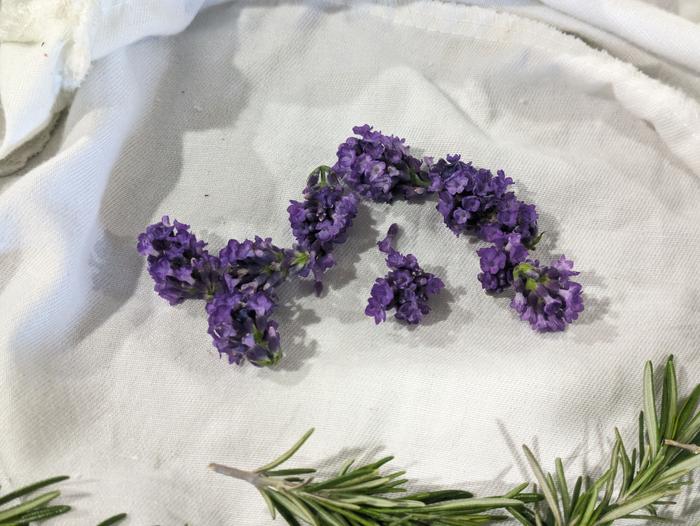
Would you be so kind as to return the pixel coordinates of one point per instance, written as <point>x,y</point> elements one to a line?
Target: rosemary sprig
<point>37,508</point>
<point>635,484</point>
<point>361,495</point>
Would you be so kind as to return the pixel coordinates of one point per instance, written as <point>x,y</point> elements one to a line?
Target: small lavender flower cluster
<point>379,167</point>
<point>545,296</point>
<point>472,199</point>
<point>321,221</point>
<point>178,263</point>
<point>405,288</point>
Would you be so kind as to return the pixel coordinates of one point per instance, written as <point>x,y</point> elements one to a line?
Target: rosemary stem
<point>254,478</point>
<point>688,447</point>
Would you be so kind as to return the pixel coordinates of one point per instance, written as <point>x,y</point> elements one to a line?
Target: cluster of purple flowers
<point>241,327</point>
<point>178,263</point>
<point>321,221</point>
<point>405,288</point>
<point>379,167</point>
<point>545,296</point>
<point>472,199</point>
<point>239,285</point>
<point>498,261</point>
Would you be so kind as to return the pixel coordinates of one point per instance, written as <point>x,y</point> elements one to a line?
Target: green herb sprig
<point>37,508</point>
<point>363,496</point>
<point>635,483</point>
<point>633,487</point>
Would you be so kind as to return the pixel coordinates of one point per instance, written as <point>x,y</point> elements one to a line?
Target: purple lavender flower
<point>498,261</point>
<point>512,216</point>
<point>254,264</point>
<point>405,288</point>
<point>320,222</point>
<point>474,200</point>
<point>241,327</point>
<point>545,296</point>
<point>379,167</point>
<point>178,263</point>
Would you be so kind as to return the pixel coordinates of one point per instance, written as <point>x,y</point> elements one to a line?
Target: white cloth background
<point>219,125</point>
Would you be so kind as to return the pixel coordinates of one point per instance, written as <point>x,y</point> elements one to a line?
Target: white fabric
<point>218,126</point>
<point>46,47</point>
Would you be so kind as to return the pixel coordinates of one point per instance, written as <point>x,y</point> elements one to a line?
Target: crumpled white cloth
<point>218,126</point>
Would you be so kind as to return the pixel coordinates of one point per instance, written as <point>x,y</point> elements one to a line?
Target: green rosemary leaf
<point>333,503</point>
<point>549,495</point>
<point>326,517</point>
<point>346,466</point>
<point>688,410</point>
<point>652,423</point>
<point>431,497</point>
<point>292,504</point>
<point>287,454</point>
<point>680,469</point>
<point>26,490</point>
<point>281,508</point>
<point>37,502</point>
<point>39,514</point>
<point>646,475</point>
<point>669,400</point>
<point>590,512</point>
<point>288,472</point>
<point>358,475</point>
<point>563,488</point>
<point>691,431</point>
<point>472,504</point>
<point>654,518</point>
<point>642,452</point>
<point>268,501</point>
<point>610,486</point>
<point>113,520</point>
<point>378,502</point>
<point>627,464</point>
<point>630,507</point>
<point>517,490</point>
<point>371,484</point>
<point>576,493</point>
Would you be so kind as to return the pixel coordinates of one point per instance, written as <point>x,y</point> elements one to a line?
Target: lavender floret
<point>320,222</point>
<point>406,288</point>
<point>241,327</point>
<point>545,296</point>
<point>178,263</point>
<point>498,261</point>
<point>379,167</point>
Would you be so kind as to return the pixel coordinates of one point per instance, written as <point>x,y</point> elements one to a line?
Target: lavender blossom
<point>405,288</point>
<point>178,263</point>
<point>545,296</point>
<point>254,264</point>
<point>498,261</point>
<point>379,167</point>
<point>474,200</point>
<point>320,222</point>
<point>241,327</point>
